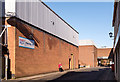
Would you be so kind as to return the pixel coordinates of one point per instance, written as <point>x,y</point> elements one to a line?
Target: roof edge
<point>114,13</point>
<point>59,17</point>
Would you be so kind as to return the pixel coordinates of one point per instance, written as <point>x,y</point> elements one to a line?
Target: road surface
<point>99,73</point>
<point>82,74</point>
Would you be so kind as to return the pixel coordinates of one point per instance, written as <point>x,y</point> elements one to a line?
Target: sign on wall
<point>26,43</point>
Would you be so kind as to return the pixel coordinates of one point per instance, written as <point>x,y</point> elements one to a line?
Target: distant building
<point>86,42</point>
<point>87,53</point>
<point>103,56</point>
<point>92,56</point>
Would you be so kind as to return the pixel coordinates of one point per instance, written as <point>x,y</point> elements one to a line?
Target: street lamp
<point>111,34</point>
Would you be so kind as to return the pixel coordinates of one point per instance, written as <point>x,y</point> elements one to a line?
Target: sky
<point>93,20</point>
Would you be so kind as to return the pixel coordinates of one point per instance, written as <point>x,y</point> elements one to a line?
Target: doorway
<point>69,63</point>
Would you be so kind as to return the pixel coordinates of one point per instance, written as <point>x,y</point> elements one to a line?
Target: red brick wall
<point>95,56</point>
<point>48,52</point>
<point>88,55</point>
<point>11,47</point>
<point>103,52</point>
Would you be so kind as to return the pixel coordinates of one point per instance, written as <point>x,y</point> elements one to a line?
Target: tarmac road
<point>82,74</point>
<point>89,74</point>
<point>86,74</point>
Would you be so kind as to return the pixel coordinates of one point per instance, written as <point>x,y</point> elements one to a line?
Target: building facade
<point>87,53</point>
<point>103,56</point>
<point>116,46</point>
<point>91,56</point>
<point>38,40</point>
<point>0,39</point>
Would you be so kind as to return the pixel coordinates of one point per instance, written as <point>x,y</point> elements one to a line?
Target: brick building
<point>87,53</point>
<point>0,38</point>
<point>116,45</point>
<point>90,55</point>
<point>37,44</point>
<point>103,56</point>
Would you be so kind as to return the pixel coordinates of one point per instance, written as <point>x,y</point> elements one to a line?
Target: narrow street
<point>99,73</point>
<point>89,74</point>
<point>39,38</point>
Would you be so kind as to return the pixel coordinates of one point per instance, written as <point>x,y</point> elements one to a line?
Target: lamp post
<point>111,34</point>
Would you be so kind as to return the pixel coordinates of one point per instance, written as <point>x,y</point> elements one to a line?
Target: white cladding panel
<point>9,6</point>
<point>86,42</point>
<point>40,16</point>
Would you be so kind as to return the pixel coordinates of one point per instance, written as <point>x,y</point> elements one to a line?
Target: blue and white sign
<point>26,43</point>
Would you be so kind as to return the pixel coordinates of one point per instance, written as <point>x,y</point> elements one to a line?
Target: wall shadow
<point>23,28</point>
<point>83,76</point>
<point>5,51</point>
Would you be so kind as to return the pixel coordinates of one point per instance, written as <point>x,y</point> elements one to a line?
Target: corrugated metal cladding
<point>40,16</point>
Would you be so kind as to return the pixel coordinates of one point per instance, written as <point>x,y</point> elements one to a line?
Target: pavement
<point>98,73</point>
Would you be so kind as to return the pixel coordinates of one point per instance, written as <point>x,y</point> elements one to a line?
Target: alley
<point>85,74</point>
<point>88,74</point>
<point>98,73</point>
<point>36,41</point>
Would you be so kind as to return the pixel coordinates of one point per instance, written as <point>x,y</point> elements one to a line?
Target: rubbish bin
<point>113,67</point>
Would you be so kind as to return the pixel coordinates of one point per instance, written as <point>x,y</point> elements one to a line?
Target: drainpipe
<point>6,66</point>
<point>5,55</point>
<point>72,61</point>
